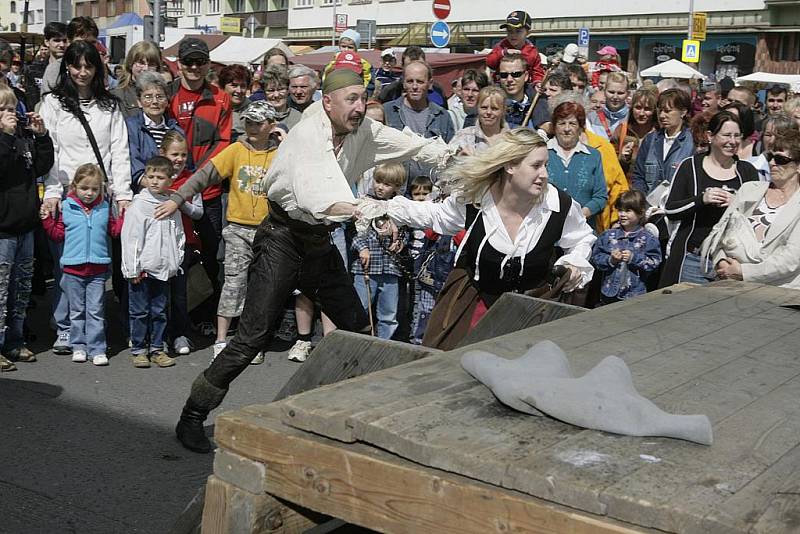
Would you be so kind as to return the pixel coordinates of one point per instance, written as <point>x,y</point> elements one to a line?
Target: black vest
<point>538,261</point>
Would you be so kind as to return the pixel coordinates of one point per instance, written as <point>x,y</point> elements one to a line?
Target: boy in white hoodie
<point>152,252</point>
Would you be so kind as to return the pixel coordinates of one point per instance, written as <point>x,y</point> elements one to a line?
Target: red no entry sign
<point>441,8</point>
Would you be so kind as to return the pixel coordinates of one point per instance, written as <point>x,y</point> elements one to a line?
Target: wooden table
<point>423,447</point>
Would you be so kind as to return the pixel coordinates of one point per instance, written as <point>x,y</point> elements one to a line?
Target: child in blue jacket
<point>627,253</point>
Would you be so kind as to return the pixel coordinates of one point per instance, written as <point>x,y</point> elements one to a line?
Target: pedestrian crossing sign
<point>691,51</point>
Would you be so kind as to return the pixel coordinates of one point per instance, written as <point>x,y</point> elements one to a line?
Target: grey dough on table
<point>541,382</point>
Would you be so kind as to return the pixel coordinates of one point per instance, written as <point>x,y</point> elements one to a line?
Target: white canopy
<point>246,51</point>
<point>672,69</point>
<point>792,80</point>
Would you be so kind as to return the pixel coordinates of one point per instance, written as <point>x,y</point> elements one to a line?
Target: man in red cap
<point>517,27</point>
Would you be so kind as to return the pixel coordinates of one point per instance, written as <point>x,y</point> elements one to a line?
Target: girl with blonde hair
<point>514,220</point>
<point>491,122</point>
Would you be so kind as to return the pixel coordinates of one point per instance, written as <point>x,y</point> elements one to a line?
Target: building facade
<point>743,35</point>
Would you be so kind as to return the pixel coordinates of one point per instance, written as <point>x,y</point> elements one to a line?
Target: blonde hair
<point>144,51</point>
<point>492,91</point>
<point>170,138</point>
<point>393,174</point>
<point>7,96</point>
<point>472,176</point>
<point>791,105</point>
<point>87,171</point>
<point>617,77</point>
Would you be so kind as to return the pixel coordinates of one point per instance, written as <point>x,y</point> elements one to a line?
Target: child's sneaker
<point>61,346</point>
<point>161,359</point>
<point>100,359</point>
<point>22,354</point>
<point>79,356</point>
<point>219,346</point>
<point>300,351</point>
<point>141,361</point>
<point>258,360</point>
<point>6,366</point>
<point>182,345</point>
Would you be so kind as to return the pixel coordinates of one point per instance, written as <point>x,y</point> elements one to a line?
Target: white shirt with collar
<point>553,145</point>
<point>449,217</point>
<point>307,177</point>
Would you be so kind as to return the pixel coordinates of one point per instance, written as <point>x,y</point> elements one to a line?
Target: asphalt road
<point>90,449</point>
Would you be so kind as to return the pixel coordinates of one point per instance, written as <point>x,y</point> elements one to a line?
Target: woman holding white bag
<point>758,237</point>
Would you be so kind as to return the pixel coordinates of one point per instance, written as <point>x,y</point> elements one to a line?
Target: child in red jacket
<point>517,26</point>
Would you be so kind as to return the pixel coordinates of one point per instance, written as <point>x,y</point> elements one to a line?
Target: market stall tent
<point>672,69</point>
<point>246,50</point>
<point>792,80</point>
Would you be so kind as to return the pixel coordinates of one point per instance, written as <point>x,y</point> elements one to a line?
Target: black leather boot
<point>203,398</point>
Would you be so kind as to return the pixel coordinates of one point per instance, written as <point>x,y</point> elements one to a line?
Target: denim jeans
<point>87,325</point>
<point>147,309</point>
<point>59,302</point>
<point>384,289</point>
<point>16,273</point>
<point>693,273</point>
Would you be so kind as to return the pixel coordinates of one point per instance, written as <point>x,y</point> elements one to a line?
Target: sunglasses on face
<point>195,62</point>
<point>780,159</point>
<point>515,74</point>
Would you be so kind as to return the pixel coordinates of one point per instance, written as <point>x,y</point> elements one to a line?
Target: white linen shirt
<point>449,217</point>
<point>73,149</point>
<point>307,177</point>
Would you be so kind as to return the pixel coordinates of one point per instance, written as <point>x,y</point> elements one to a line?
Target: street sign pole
<point>333,37</point>
<point>157,21</point>
<point>691,19</point>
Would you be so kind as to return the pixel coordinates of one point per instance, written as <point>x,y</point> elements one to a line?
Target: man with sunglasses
<point>203,111</point>
<point>513,74</point>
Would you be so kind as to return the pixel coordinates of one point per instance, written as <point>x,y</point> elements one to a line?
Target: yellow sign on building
<point>699,26</point>
<point>230,25</point>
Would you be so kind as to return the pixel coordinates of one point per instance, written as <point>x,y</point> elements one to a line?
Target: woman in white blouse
<point>514,221</point>
<point>758,237</point>
<point>81,91</point>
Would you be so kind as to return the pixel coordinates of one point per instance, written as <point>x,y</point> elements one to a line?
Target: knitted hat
<point>353,36</point>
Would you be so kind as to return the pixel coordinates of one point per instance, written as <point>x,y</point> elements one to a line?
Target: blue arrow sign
<point>440,34</point>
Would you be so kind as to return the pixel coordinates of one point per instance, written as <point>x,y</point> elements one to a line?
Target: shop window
<point>213,6</point>
<point>788,48</point>
<point>304,3</point>
<point>194,7</point>
<point>13,27</point>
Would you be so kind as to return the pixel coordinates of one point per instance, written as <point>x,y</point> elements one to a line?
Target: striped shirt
<point>158,131</point>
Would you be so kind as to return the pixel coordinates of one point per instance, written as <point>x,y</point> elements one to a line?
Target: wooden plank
<point>231,510</point>
<point>677,492</point>
<point>513,312</point>
<point>344,355</point>
<point>377,490</point>
<point>326,409</point>
<point>769,503</point>
<point>189,522</point>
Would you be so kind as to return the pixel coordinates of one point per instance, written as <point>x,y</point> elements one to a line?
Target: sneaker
<point>62,346</point>
<point>182,345</point>
<point>161,359</point>
<point>100,359</point>
<point>6,365</point>
<point>79,356</point>
<point>219,346</point>
<point>258,360</point>
<point>141,361</point>
<point>300,351</point>
<point>22,354</point>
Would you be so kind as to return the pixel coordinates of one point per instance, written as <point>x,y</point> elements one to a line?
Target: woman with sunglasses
<point>758,237</point>
<point>703,187</point>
